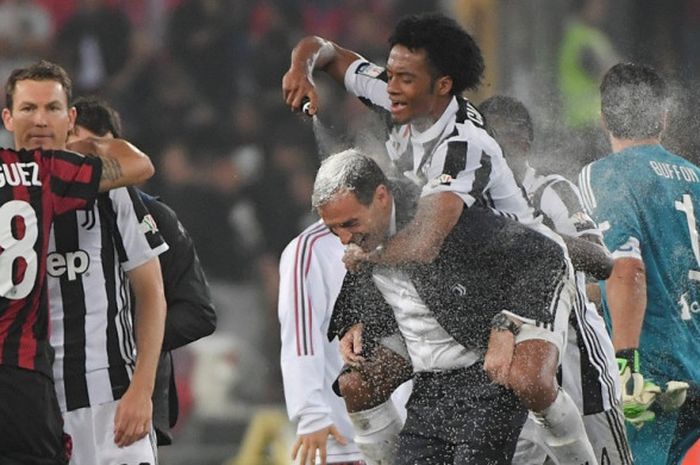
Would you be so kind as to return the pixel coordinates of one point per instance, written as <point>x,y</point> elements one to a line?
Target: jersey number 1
<point>686,206</point>
<point>14,248</point>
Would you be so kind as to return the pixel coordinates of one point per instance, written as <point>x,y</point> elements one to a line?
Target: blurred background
<point>198,86</point>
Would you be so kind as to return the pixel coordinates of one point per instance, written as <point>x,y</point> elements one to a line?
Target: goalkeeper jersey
<point>645,200</point>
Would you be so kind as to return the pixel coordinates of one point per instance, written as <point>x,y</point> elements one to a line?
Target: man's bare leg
<point>367,392</point>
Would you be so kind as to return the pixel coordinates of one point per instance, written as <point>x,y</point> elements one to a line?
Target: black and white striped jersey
<point>90,252</point>
<point>456,154</point>
<point>589,369</point>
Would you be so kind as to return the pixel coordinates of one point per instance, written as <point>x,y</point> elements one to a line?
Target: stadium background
<point>198,85</point>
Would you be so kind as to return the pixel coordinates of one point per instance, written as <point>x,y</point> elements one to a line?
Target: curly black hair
<point>633,101</point>
<point>450,49</point>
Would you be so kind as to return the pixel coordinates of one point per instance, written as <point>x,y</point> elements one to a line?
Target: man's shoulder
<point>614,168</point>
<point>315,239</point>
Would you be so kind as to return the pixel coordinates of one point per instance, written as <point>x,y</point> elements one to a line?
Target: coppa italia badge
<point>442,180</point>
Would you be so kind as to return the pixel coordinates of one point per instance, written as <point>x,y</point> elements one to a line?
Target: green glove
<point>638,394</point>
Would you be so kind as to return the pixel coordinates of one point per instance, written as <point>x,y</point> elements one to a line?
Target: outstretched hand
<point>307,445</point>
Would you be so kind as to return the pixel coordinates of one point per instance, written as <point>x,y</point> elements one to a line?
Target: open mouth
<point>398,107</point>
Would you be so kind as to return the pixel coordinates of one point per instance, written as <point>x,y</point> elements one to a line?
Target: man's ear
<point>382,194</point>
<point>72,115</point>
<point>443,85</point>
<point>7,119</point>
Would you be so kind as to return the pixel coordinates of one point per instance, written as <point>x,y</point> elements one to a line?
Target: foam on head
<point>347,171</point>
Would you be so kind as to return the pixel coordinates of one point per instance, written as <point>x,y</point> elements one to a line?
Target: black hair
<point>97,116</point>
<point>633,101</point>
<point>451,51</point>
<point>511,110</point>
<point>40,71</point>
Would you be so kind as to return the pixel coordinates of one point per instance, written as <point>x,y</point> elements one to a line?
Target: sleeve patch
<point>442,180</point>
<point>369,70</point>
<point>631,248</point>
<point>148,225</point>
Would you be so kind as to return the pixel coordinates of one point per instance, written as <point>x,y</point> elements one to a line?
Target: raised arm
<point>122,163</point>
<point>309,54</point>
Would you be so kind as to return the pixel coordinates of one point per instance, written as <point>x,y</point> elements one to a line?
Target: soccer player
<point>445,311</point>
<point>36,186</point>
<point>311,272</point>
<point>190,314</point>
<point>645,200</point>
<point>437,138</point>
<point>90,253</point>
<point>589,369</point>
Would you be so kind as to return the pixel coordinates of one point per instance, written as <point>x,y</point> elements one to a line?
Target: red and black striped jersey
<point>35,186</point>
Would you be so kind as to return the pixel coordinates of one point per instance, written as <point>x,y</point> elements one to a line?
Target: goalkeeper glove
<point>674,395</point>
<point>637,393</point>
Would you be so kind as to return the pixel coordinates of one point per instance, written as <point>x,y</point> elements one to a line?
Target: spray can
<point>306,106</point>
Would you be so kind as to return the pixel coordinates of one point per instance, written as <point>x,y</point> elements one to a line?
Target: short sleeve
<point>611,205</point>
<point>368,82</point>
<point>138,237</point>
<point>74,180</point>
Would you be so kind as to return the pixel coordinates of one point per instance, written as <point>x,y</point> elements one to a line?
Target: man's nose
<point>345,237</point>
<point>40,117</point>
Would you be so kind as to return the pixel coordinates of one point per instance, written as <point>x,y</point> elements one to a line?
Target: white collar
<point>530,177</point>
<point>438,126</point>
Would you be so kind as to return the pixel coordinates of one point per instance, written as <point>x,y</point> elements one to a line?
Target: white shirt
<point>311,274</point>
<point>456,154</point>
<point>430,347</point>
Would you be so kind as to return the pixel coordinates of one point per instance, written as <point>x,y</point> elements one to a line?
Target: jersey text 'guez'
<point>35,186</point>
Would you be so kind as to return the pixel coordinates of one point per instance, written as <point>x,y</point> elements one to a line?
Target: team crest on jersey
<point>148,225</point>
<point>442,180</point>
<point>459,289</point>
<point>369,70</point>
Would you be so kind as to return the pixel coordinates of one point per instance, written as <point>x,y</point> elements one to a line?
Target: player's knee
<point>532,375</point>
<point>358,394</point>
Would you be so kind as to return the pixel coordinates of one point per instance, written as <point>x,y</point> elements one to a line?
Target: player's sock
<point>376,430</point>
<point>561,428</point>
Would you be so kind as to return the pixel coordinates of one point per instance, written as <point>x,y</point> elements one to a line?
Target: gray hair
<point>349,171</point>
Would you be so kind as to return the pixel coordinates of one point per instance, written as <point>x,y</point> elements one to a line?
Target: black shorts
<point>31,425</point>
<point>459,417</point>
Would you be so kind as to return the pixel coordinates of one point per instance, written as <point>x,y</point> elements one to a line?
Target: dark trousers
<point>31,425</point>
<point>458,417</point>
<point>687,426</point>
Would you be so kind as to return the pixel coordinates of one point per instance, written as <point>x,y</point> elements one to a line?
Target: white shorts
<point>605,430</point>
<point>92,430</point>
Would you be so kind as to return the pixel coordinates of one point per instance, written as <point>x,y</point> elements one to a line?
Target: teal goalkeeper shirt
<point>647,202</point>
